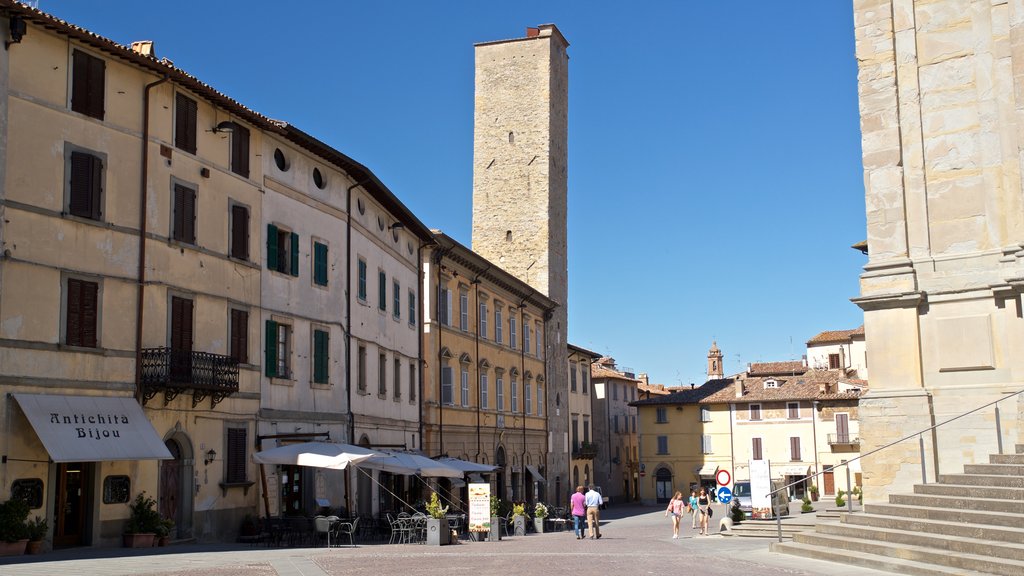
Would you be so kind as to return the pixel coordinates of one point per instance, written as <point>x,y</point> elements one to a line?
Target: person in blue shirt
<point>592,499</point>
<point>693,508</point>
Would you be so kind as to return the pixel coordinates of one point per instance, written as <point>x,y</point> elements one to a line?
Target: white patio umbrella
<point>409,464</point>
<point>465,465</point>
<point>332,455</point>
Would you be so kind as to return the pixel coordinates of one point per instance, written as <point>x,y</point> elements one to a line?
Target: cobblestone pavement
<point>635,540</point>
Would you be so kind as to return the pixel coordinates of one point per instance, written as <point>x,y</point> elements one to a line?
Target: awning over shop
<point>707,470</point>
<point>465,465</point>
<point>792,470</point>
<point>533,472</point>
<point>92,428</point>
<point>315,454</point>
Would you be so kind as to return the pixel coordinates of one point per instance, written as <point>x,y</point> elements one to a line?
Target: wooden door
<point>70,505</point>
<point>170,485</point>
<point>830,483</point>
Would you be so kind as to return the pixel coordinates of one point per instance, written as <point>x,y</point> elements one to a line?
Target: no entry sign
<point>723,477</point>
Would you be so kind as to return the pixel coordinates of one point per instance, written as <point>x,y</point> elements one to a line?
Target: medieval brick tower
<point>519,196</point>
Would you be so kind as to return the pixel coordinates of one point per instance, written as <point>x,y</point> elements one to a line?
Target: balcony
<point>175,371</point>
<point>843,440</point>
<point>584,451</point>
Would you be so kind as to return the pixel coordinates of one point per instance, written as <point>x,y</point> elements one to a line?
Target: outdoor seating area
<point>337,531</point>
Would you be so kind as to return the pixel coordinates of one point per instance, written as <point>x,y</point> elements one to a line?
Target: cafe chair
<point>346,529</point>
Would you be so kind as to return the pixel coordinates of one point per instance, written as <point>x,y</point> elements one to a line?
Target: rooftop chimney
<point>532,32</point>
<point>739,388</point>
<point>144,48</point>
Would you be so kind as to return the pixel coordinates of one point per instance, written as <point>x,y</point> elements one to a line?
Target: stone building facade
<point>520,187</point>
<point>941,292</point>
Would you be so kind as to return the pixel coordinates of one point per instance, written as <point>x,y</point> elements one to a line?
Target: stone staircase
<point>970,523</point>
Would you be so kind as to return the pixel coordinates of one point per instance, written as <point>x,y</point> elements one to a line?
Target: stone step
<point>1006,458</point>
<point>894,565</point>
<point>995,469</point>
<point>983,517</point>
<point>983,480</point>
<point>961,502</point>
<point>768,529</point>
<point>977,491</point>
<point>923,554</point>
<point>942,542</point>
<point>1012,534</point>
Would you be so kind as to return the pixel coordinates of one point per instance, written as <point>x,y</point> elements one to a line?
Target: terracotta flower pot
<point>138,540</point>
<point>34,547</point>
<point>15,548</point>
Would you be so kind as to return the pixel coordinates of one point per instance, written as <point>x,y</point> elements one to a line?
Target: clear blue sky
<point>715,178</point>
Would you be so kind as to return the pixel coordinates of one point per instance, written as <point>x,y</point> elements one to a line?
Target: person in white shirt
<point>592,499</point>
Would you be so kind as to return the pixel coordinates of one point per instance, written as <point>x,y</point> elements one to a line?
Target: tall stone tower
<point>520,161</point>
<point>715,370</point>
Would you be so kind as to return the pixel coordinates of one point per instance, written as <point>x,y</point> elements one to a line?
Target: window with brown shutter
<point>88,79</point>
<point>85,185</point>
<point>81,313</point>
<point>240,151</point>
<point>240,335</point>
<point>184,229</point>
<point>239,232</point>
<point>755,452</point>
<point>181,339</point>
<point>794,448</point>
<point>185,116</point>
<point>235,462</point>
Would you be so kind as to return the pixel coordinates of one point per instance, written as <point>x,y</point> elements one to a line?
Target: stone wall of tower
<point>941,118</point>
<point>520,193</point>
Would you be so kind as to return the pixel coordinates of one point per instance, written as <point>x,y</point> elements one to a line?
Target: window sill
<point>321,385</point>
<point>362,392</point>
<point>281,381</point>
<point>382,396</point>
<point>225,486</point>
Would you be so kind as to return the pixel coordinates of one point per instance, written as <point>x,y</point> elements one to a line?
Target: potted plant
<point>35,530</point>
<point>437,525</point>
<point>163,531</point>
<point>143,523</point>
<point>13,537</point>
<point>806,506</point>
<point>495,534</point>
<point>519,519</point>
<point>814,492</point>
<point>540,512</point>
<point>840,502</point>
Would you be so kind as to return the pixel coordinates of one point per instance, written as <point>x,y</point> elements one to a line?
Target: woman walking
<point>704,505</point>
<point>579,511</point>
<point>675,507</point>
<point>693,509</point>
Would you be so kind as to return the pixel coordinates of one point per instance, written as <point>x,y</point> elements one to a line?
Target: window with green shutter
<point>361,290</point>
<point>282,250</point>
<point>382,290</point>
<point>270,356</point>
<point>396,300</point>
<point>294,254</point>
<point>320,356</point>
<point>320,264</point>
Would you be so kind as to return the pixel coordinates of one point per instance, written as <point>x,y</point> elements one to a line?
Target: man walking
<point>593,501</point>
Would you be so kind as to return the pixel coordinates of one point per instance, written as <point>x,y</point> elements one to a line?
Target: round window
<point>318,178</point>
<point>280,160</point>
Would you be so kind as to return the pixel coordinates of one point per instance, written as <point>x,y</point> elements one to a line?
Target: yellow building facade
<point>484,380</point>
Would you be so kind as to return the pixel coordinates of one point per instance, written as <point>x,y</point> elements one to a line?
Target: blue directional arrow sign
<point>724,495</point>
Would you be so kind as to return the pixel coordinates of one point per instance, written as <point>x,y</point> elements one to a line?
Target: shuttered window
<point>755,414</point>
<point>361,287</point>
<point>85,185</point>
<point>81,313</point>
<point>412,382</point>
<point>88,79</point>
<point>396,377</point>
<point>447,374</point>
<point>181,324</point>
<point>321,340</point>
<point>320,264</point>
<point>794,448</point>
<point>235,462</point>
<point>282,250</point>
<point>361,369</point>
<point>239,232</point>
<point>396,300</point>
<point>382,290</point>
<point>412,308</point>
<point>755,449</point>
<point>277,350</point>
<point>240,150</point>
<point>185,112</point>
<point>382,375</point>
<point>184,228</point>
<point>240,335</point>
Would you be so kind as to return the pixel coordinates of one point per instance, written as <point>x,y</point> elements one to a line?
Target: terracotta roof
<point>166,68</point>
<point>600,371</point>
<point>785,368</point>
<point>807,386</point>
<point>833,336</point>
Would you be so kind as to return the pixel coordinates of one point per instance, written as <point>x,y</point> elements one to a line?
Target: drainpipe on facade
<point>420,277</point>
<point>522,370</point>
<point>143,207</point>
<point>348,310</point>
<point>476,343</point>
<point>438,256</point>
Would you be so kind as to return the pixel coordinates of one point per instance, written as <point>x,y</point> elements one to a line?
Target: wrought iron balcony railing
<point>584,451</point>
<point>843,440</point>
<point>175,371</point>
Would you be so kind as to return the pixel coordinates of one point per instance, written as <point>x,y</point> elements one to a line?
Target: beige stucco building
<point>213,325</point>
<point>485,392</point>
<point>615,430</point>
<point>941,292</point>
<point>583,449</point>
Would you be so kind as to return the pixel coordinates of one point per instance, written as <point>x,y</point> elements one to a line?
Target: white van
<point>741,494</point>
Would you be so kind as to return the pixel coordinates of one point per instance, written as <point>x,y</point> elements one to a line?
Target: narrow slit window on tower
<point>511,138</point>
<point>508,236</point>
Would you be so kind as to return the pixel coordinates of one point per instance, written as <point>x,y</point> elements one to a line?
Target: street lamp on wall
<point>211,455</point>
